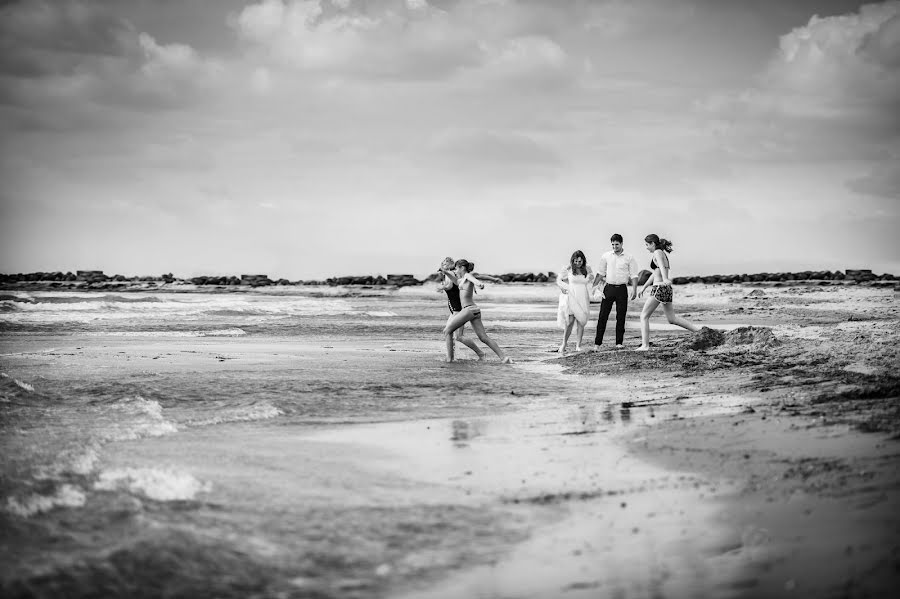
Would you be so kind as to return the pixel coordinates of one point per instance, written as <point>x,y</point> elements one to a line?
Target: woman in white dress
<point>575,283</point>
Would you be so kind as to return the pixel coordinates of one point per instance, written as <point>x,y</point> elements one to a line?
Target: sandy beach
<point>225,229</point>
<point>759,459</point>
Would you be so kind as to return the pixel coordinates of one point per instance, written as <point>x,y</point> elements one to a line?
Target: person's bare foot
<point>480,356</point>
<point>562,350</point>
<point>643,348</point>
<point>506,360</point>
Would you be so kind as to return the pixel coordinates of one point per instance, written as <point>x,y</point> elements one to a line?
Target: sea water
<point>282,443</point>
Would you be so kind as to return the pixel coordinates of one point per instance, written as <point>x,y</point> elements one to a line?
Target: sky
<point>304,139</point>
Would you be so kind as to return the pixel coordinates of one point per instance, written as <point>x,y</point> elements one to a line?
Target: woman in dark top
<point>470,312</point>
<point>448,285</point>
<point>661,293</point>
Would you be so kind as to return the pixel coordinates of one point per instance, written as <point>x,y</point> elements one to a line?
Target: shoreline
<point>813,507</point>
<point>767,456</point>
<point>813,455</point>
<point>379,289</point>
<point>99,278</point>
<point>802,469</point>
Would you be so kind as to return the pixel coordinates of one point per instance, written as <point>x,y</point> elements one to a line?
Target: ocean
<point>291,442</point>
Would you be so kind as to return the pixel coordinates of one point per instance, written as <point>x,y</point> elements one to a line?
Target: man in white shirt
<point>617,269</point>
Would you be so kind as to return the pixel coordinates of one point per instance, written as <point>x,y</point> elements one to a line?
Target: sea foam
<point>78,461</point>
<point>145,420</point>
<point>154,483</point>
<point>214,333</point>
<point>22,385</point>
<point>263,411</point>
<point>65,496</point>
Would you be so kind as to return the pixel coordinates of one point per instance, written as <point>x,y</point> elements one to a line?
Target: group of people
<point>617,271</point>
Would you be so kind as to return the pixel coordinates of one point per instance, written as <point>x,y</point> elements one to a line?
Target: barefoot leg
<point>455,322</point>
<point>649,307</point>
<point>479,330</point>
<point>448,339</point>
<point>562,348</point>
<point>470,343</point>
<point>679,320</point>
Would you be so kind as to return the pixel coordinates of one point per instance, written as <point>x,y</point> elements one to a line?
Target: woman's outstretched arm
<point>450,274</point>
<point>474,281</point>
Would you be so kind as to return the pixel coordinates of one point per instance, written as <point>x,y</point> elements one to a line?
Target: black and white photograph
<point>449,299</point>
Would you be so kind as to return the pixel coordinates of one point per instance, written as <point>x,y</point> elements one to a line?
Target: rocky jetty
<point>97,279</point>
<point>396,280</point>
<point>857,275</point>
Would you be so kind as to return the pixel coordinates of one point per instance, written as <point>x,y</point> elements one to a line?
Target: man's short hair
<point>616,237</point>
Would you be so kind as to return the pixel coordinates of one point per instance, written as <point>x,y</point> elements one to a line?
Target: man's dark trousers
<point>618,295</point>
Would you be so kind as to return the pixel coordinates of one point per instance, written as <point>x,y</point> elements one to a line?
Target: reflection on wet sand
<point>611,523</point>
<point>587,420</point>
<point>464,431</point>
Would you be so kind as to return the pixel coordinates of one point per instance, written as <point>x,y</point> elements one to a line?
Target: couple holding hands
<point>617,269</point>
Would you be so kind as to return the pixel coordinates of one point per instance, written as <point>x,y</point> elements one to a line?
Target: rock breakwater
<point>857,275</point>
<point>97,279</point>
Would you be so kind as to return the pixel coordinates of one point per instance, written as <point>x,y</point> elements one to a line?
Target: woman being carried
<point>448,285</point>
<point>661,293</point>
<point>470,312</point>
<point>575,283</point>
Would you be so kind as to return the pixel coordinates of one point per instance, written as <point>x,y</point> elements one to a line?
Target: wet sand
<point>761,462</point>
<point>813,455</point>
<point>780,439</point>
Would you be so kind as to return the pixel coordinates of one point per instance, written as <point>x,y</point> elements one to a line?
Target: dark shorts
<point>662,293</point>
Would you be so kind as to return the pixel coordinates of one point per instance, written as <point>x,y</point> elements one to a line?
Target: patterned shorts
<point>662,293</point>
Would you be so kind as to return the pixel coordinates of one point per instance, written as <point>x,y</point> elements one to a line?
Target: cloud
<point>494,147</point>
<point>393,41</point>
<point>832,65</point>
<point>534,62</point>
<point>30,29</point>
<point>40,39</point>
<point>883,180</point>
<point>883,46</point>
<point>168,76</point>
<point>831,90</point>
<point>59,60</point>
<point>673,175</point>
<point>478,159</point>
<point>407,40</point>
<point>177,58</point>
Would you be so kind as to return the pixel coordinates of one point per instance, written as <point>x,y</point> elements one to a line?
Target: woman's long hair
<point>578,254</point>
<point>661,244</point>
<point>470,266</point>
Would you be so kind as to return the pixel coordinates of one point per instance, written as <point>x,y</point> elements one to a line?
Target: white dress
<point>577,301</point>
